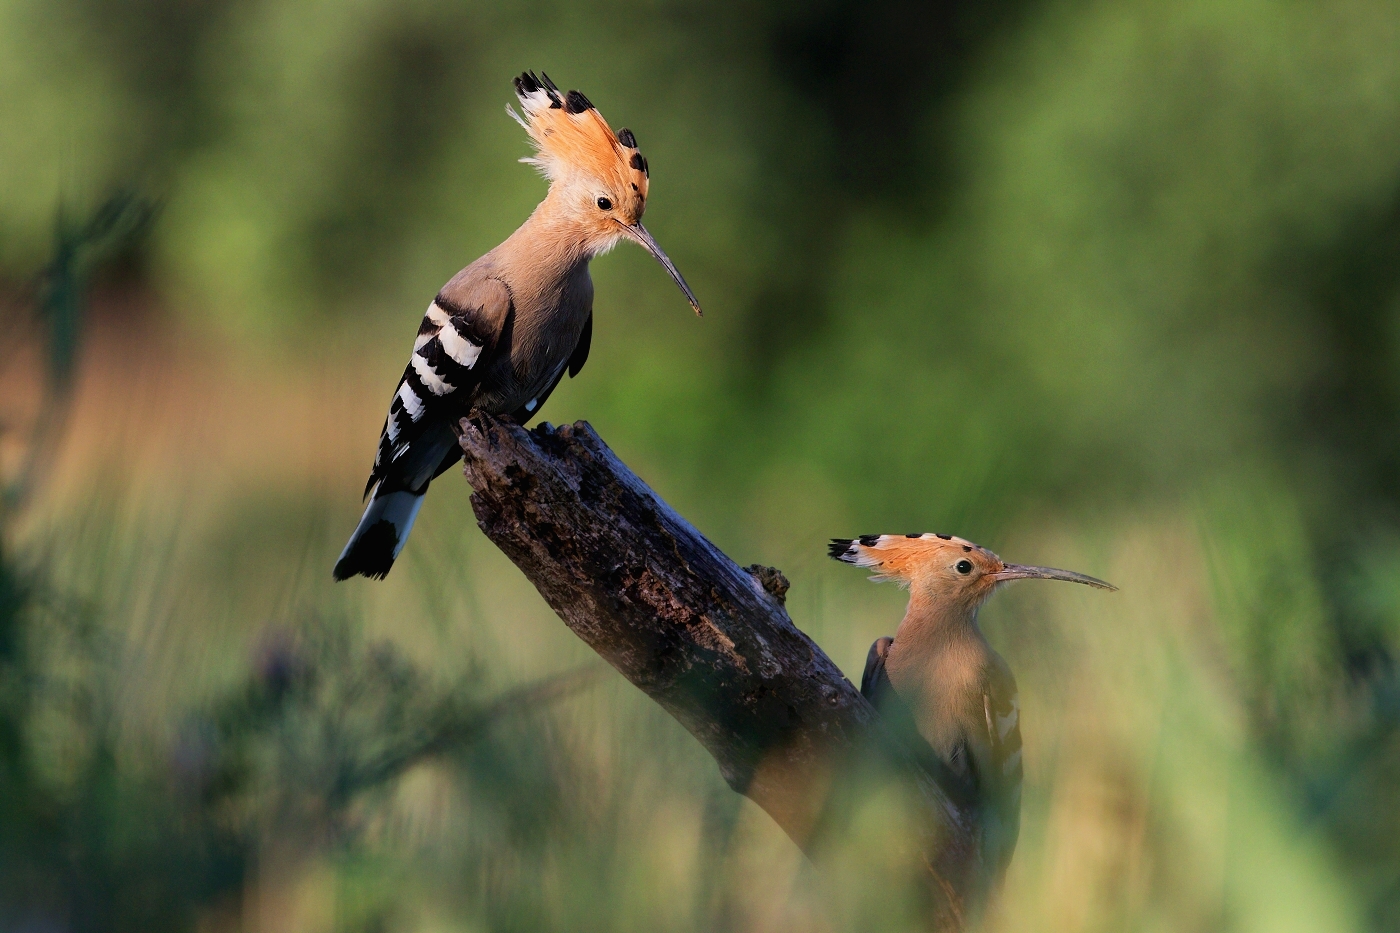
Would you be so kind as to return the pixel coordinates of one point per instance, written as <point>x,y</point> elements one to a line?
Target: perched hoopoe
<point>940,671</point>
<point>500,334</point>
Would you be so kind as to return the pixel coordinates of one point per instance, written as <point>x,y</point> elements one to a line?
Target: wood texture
<point>708,640</point>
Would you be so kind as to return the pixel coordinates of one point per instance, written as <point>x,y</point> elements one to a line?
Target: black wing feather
<point>873,683</point>
<point>575,364</point>
<point>585,342</point>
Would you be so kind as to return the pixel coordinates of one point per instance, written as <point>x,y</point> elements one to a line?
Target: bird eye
<point>963,566</point>
<point>605,204</point>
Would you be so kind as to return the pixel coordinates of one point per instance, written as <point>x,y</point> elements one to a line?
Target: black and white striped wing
<point>1000,775</point>
<point>1003,713</point>
<point>455,341</point>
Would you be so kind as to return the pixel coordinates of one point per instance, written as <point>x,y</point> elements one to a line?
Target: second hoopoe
<point>501,333</point>
<point>940,670</point>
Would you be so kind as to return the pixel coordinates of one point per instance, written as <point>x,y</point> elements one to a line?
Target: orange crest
<point>571,138</point>
<point>904,558</point>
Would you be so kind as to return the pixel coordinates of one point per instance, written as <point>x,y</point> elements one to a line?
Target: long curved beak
<point>1024,572</point>
<point>640,234</point>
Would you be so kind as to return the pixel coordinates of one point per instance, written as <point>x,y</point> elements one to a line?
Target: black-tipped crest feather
<point>528,83</point>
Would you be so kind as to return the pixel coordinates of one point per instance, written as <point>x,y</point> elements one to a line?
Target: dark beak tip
<point>1098,584</point>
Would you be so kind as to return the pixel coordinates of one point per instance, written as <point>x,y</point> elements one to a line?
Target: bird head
<point>598,178</point>
<point>945,568</point>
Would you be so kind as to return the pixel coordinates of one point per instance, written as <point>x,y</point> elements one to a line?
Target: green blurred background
<point>1108,286</point>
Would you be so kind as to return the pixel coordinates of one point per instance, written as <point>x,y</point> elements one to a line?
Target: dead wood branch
<point>709,641</point>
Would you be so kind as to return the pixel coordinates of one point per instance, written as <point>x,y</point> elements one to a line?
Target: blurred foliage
<point>1113,286</point>
<point>54,322</point>
<point>102,830</point>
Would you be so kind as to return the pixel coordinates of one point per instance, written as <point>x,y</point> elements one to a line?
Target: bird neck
<point>552,243</point>
<point>932,615</point>
<point>937,657</point>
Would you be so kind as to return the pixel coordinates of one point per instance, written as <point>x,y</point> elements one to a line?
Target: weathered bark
<point>709,641</point>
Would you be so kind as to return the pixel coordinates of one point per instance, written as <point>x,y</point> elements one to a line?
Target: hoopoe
<point>939,670</point>
<point>501,333</point>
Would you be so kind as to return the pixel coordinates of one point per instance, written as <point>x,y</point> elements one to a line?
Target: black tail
<point>380,536</point>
